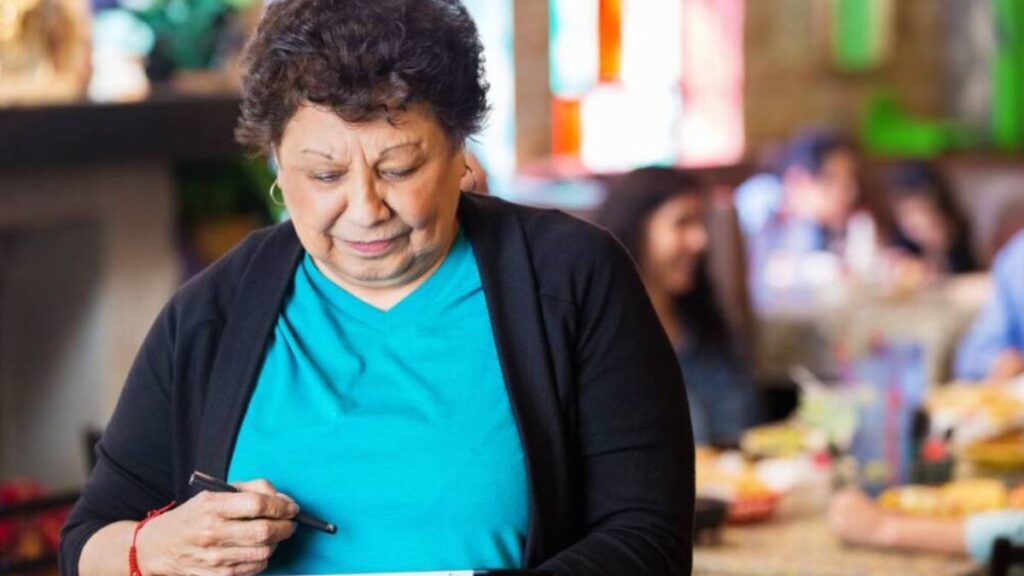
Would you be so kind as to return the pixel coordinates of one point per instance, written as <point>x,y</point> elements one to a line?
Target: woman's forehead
<point>322,130</point>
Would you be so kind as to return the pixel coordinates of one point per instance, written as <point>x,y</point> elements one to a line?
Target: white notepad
<point>507,572</point>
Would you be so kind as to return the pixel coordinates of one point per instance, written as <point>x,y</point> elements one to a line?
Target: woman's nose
<point>699,240</point>
<point>365,207</point>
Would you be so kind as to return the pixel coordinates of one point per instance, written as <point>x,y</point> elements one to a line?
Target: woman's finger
<point>249,505</point>
<point>254,532</point>
<point>260,486</point>
<point>248,569</point>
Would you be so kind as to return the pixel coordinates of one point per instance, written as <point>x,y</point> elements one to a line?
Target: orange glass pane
<point>565,127</point>
<point>609,29</point>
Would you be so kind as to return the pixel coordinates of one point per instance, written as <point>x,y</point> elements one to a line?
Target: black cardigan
<point>595,388</point>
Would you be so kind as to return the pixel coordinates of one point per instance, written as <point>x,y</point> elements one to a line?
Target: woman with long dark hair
<point>930,226</point>
<point>658,214</point>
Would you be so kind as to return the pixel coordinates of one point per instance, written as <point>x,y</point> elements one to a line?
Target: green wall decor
<point>861,33</point>
<point>1008,75</point>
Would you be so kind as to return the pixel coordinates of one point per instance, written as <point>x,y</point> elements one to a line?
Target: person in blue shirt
<point>993,349</point>
<point>659,215</point>
<point>815,183</point>
<point>802,207</point>
<point>856,519</point>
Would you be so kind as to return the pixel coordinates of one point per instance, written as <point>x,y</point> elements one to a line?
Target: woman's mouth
<point>374,248</point>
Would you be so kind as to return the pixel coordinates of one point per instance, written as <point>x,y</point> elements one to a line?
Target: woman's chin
<point>683,287</point>
<point>397,269</point>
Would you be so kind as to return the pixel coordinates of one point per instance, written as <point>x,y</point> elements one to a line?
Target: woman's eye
<point>327,177</point>
<point>397,174</point>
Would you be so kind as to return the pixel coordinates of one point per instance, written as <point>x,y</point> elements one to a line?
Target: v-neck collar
<point>409,309</point>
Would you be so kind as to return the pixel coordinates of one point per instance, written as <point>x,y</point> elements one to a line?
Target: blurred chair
<point>1009,223</point>
<point>989,190</point>
<point>90,437</point>
<point>1006,558</point>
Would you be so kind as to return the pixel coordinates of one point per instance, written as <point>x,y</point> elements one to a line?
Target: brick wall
<point>789,81</point>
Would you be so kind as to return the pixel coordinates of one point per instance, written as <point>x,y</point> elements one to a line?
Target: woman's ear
<point>475,177</point>
<point>468,181</point>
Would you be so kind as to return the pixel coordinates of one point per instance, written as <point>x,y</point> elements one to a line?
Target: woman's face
<point>922,222</point>
<point>676,239</point>
<point>838,181</point>
<point>828,197</point>
<point>373,203</point>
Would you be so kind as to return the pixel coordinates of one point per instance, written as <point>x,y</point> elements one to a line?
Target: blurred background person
<point>804,207</point>
<point>994,347</point>
<point>659,215</point>
<point>929,226</point>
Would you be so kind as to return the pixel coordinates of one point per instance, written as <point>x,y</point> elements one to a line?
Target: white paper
<point>443,573</point>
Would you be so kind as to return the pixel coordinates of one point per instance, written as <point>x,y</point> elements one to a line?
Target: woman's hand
<point>856,519</point>
<point>1008,365</point>
<point>218,534</point>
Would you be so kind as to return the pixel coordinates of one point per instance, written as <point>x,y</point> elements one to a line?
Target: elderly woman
<point>455,381</point>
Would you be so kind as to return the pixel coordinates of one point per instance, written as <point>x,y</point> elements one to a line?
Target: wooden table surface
<point>804,547</point>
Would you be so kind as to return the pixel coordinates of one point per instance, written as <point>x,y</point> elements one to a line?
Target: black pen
<point>211,484</point>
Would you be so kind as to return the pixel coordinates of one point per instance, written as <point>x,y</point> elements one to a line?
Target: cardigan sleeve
<point>635,439</point>
<point>133,471</point>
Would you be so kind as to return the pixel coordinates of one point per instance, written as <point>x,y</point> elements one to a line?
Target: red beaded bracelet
<point>133,560</point>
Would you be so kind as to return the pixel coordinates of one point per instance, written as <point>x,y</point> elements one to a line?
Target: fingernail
<point>286,497</point>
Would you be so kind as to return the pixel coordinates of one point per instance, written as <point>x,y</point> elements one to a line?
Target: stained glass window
<point>638,82</point>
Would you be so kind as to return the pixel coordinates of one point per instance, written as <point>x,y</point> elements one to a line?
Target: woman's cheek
<point>314,211</point>
<point>414,209</point>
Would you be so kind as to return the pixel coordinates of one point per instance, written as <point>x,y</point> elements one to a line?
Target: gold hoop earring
<point>469,170</point>
<point>271,194</point>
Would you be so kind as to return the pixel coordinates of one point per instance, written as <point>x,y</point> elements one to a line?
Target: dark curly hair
<point>365,59</point>
<point>810,149</point>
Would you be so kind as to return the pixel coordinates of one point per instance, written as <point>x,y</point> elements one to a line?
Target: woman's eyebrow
<point>414,143</point>
<point>326,155</point>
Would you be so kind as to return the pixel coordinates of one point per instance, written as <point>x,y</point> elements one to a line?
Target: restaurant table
<point>805,547</point>
<point>808,333</point>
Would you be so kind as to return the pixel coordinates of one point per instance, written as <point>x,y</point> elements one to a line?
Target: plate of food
<point>954,500</point>
<point>730,478</point>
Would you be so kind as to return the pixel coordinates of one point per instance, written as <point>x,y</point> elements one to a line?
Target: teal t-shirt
<point>396,426</point>
<point>982,531</point>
